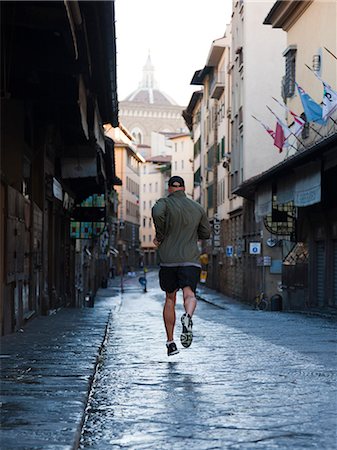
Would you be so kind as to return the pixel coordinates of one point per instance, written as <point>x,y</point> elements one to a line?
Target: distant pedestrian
<point>179,223</point>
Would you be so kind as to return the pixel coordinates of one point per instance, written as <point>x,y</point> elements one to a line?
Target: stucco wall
<point>263,71</point>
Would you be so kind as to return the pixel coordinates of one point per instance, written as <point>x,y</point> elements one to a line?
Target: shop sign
<point>229,250</point>
<point>255,248</point>
<point>216,231</point>
<point>263,261</point>
<point>57,190</point>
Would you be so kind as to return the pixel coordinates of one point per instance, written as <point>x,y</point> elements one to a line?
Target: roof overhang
<point>285,13</point>
<point>179,135</point>
<point>216,51</point>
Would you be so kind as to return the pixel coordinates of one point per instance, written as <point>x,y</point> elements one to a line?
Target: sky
<point>178,34</point>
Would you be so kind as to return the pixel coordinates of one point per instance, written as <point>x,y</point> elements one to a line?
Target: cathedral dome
<point>148,92</point>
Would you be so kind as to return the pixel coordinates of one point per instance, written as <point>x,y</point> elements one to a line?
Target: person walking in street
<point>179,223</point>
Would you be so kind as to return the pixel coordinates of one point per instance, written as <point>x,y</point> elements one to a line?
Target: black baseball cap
<point>176,181</point>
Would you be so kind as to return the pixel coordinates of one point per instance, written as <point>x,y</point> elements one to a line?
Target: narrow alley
<point>250,380</point>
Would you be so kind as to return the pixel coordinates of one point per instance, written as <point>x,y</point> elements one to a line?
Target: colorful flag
<point>329,100</point>
<point>298,121</point>
<point>268,129</point>
<point>313,111</point>
<point>279,138</point>
<point>286,130</point>
<point>329,97</point>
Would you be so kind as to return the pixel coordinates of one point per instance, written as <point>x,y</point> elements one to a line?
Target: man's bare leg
<point>190,302</point>
<point>169,314</point>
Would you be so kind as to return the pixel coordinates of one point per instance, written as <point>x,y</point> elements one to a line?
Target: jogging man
<point>179,223</point>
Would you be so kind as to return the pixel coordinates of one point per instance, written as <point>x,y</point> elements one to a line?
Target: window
<point>222,147</point>
<point>197,178</point>
<point>150,238</point>
<point>144,205</point>
<point>144,238</point>
<point>150,187</point>
<point>133,163</point>
<point>137,135</point>
<point>175,147</point>
<point>210,196</point>
<point>144,222</point>
<point>289,78</point>
<point>182,165</point>
<point>150,222</point>
<point>144,187</point>
<point>197,148</point>
<point>156,187</point>
<point>210,158</point>
<point>175,165</point>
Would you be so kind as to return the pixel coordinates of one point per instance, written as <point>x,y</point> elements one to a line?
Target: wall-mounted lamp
<point>316,63</point>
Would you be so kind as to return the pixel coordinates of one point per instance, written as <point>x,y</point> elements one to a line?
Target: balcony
<point>217,85</point>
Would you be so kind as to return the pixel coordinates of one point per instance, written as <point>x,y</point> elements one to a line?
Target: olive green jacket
<point>179,223</point>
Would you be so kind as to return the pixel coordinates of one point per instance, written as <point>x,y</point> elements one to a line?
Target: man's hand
<point>156,242</point>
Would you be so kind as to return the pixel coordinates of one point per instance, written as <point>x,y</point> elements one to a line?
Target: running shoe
<point>186,336</point>
<point>172,349</point>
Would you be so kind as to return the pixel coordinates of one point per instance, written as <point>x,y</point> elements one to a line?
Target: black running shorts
<point>174,278</point>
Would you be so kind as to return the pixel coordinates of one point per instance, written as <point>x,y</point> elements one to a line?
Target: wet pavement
<point>46,375</point>
<point>250,380</point>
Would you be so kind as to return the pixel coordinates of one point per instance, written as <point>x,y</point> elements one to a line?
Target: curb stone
<point>91,382</point>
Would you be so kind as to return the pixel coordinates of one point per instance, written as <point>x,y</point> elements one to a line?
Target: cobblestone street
<point>251,379</point>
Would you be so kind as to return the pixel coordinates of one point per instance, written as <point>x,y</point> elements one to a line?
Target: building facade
<point>128,164</point>
<point>182,160</point>
<point>255,80</point>
<point>53,154</point>
<point>232,148</point>
<point>298,194</point>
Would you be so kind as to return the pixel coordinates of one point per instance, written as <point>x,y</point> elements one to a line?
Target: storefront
<point>298,195</point>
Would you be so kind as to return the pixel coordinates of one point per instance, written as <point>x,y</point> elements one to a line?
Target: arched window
<point>137,135</point>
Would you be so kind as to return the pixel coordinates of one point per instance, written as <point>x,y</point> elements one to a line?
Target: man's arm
<point>159,219</point>
<point>204,229</point>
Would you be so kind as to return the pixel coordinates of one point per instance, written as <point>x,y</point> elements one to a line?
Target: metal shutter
<point>320,271</point>
<point>334,274</point>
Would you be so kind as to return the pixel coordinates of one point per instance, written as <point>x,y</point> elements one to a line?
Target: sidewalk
<point>224,302</point>
<point>217,299</point>
<point>46,373</point>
